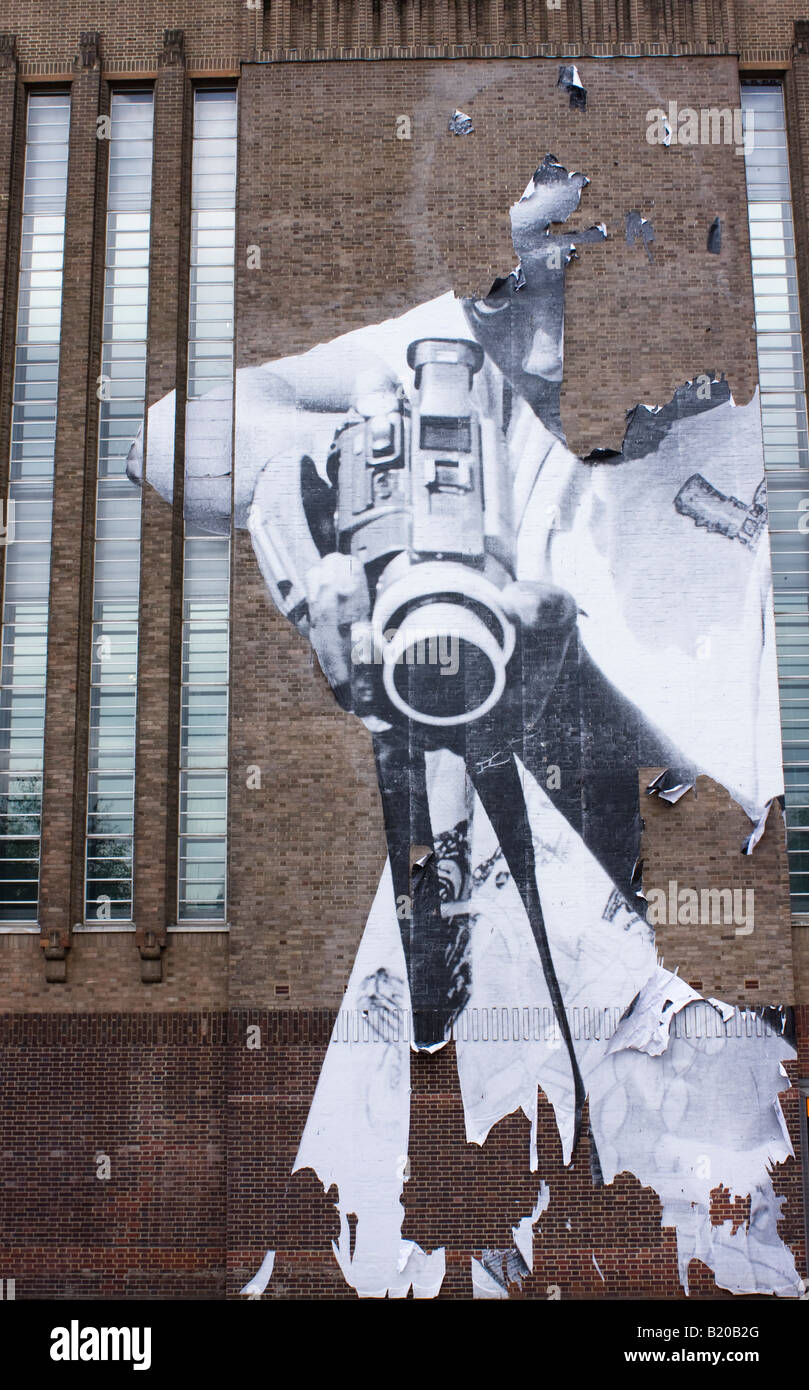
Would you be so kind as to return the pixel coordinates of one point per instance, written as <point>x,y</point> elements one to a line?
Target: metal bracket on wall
<point>56,946</point>
<point>89,54</point>
<point>8,52</point>
<point>151,947</point>
<point>173,48</point>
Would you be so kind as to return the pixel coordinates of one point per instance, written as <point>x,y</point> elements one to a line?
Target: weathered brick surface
<point>354,226</point>
<point>217,31</point>
<point>198,1133</point>
<point>225,31</point>
<point>147,1092</point>
<point>67,705</point>
<point>103,974</point>
<point>158,733</point>
<point>696,844</point>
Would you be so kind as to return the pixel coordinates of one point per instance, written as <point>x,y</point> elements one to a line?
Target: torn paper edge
<point>256,1286</point>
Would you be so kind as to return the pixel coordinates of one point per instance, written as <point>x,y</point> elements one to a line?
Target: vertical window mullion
<point>116,570</point>
<point>786,446</point>
<point>23,659</point>
<point>202,858</point>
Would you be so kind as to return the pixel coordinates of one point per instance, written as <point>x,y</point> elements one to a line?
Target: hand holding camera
<point>412,607</point>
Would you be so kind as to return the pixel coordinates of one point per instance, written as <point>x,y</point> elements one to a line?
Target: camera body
<point>423,504</point>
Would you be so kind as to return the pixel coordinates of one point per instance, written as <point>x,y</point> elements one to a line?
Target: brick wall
<point>696,844</point>
<point>217,32</point>
<point>103,975</point>
<point>354,226</point>
<point>145,1091</point>
<point>201,1137</point>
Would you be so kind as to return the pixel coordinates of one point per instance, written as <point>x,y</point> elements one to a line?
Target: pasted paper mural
<point>521,631</point>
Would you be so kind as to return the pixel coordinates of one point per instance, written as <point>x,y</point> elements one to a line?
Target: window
<point>206,568</point>
<point>786,449</point>
<point>116,572</point>
<point>23,661</point>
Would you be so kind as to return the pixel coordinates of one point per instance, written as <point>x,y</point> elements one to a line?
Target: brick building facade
<point>128,1040</point>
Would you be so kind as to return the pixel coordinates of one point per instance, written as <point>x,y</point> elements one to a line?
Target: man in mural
<point>490,606</point>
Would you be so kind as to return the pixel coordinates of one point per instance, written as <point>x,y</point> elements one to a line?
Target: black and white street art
<point>521,631</point>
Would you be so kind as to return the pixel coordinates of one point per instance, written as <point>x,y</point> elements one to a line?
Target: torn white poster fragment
<point>460,123</point>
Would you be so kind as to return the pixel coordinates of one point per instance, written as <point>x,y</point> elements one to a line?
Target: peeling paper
<point>684,1111</point>
<point>703,1114</point>
<point>732,1257</point>
<point>504,1267</point>
<point>726,1010</point>
<point>647,426</point>
<point>256,1286</point>
<point>460,124</point>
<point>597,1268</point>
<point>639,228</point>
<point>598,232</point>
<point>637,879</point>
<point>550,174</point>
<point>646,1024</point>
<point>571,82</point>
<point>523,1232</point>
<point>673,794</point>
<point>497,1269</point>
<point>667,787</point>
<point>484,1285</point>
<point>781,1018</point>
<point>756,833</point>
<point>425,1273</point>
<point>362,1107</point>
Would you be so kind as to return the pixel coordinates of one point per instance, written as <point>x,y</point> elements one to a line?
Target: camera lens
<point>444,677</point>
<point>444,664</point>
